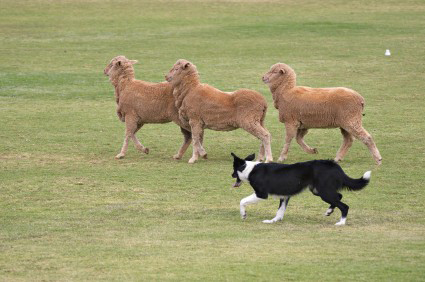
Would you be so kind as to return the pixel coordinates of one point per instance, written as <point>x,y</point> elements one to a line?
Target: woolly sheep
<point>140,102</point>
<point>302,108</point>
<point>203,106</point>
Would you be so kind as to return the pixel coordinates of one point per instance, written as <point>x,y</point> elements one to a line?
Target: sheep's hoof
<point>314,151</point>
<point>192,160</point>
<point>146,151</point>
<point>281,160</point>
<point>177,157</point>
<point>205,157</point>
<point>337,160</point>
<point>119,156</point>
<point>269,161</point>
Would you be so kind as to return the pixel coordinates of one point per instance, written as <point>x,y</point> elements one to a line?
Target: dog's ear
<point>237,160</point>
<point>234,156</point>
<point>250,157</point>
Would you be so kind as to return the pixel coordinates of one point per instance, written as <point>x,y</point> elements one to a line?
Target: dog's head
<point>239,165</point>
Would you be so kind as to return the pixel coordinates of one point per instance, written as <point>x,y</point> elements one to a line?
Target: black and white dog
<point>324,178</point>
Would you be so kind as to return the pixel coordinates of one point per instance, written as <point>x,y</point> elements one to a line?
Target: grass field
<point>70,211</point>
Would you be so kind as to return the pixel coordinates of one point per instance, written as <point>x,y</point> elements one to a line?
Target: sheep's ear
<point>282,71</point>
<point>134,62</point>
<point>250,157</point>
<point>186,65</point>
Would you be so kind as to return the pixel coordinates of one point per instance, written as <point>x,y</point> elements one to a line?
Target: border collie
<point>324,178</point>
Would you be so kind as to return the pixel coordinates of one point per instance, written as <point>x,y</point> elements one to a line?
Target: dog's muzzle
<point>238,181</point>
<point>237,184</point>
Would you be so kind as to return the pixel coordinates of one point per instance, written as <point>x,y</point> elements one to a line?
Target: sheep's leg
<point>300,140</point>
<point>262,147</point>
<point>204,154</point>
<point>265,145</point>
<point>361,134</point>
<point>264,135</point>
<point>291,132</point>
<point>137,143</point>
<point>346,144</point>
<point>123,148</point>
<point>200,151</point>
<point>130,128</point>
<point>261,153</point>
<point>197,133</point>
<point>186,142</point>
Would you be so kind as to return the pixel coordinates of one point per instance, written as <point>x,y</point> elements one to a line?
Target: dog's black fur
<point>324,178</point>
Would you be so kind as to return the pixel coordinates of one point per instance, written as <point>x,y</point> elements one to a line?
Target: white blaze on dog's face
<point>244,175</point>
<point>242,168</point>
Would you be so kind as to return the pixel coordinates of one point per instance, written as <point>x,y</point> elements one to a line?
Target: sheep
<point>302,108</point>
<point>140,102</point>
<point>203,106</point>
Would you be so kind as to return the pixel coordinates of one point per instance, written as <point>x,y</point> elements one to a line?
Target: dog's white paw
<point>269,221</point>
<point>243,216</point>
<point>276,219</point>
<point>341,222</point>
<point>329,212</point>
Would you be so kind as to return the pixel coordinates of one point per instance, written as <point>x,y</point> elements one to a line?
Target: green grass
<point>69,211</point>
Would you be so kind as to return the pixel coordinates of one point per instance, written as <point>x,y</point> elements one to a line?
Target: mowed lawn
<point>70,211</point>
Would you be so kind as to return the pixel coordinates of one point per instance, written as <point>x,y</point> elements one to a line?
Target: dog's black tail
<point>357,184</point>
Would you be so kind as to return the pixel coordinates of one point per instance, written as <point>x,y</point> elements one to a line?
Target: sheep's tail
<point>263,117</point>
<point>356,184</point>
<point>362,103</point>
<point>121,116</point>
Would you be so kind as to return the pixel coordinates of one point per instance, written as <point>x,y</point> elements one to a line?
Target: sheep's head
<point>180,69</point>
<point>279,73</point>
<point>118,65</point>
